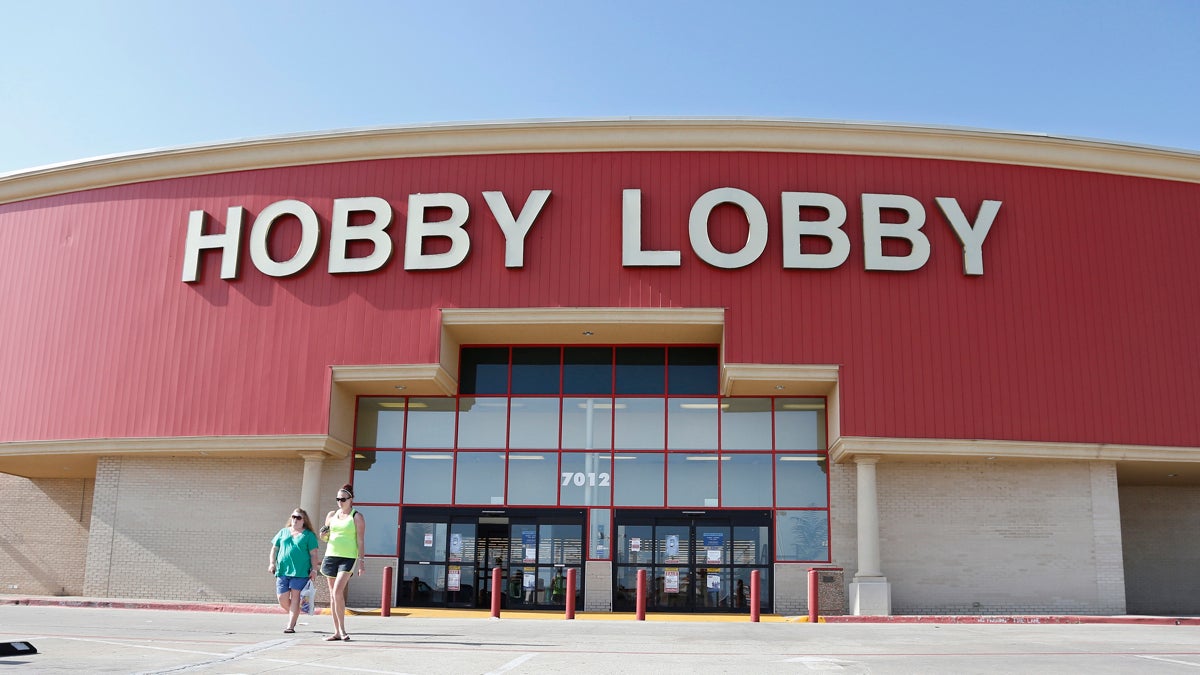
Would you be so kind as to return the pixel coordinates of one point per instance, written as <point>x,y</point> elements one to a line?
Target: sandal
<point>346,638</point>
<point>333,638</point>
<point>289,630</point>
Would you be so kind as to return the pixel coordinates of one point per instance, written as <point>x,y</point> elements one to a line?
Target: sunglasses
<point>343,499</point>
<point>295,517</point>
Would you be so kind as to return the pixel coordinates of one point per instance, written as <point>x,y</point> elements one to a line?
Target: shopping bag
<point>307,595</point>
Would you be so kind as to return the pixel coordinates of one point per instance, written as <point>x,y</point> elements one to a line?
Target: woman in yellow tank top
<point>344,530</point>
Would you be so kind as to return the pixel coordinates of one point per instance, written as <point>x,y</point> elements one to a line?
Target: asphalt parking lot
<point>100,640</point>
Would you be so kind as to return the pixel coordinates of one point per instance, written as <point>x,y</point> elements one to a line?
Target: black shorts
<point>333,564</point>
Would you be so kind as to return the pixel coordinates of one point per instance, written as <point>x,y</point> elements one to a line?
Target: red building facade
<point>957,295</point>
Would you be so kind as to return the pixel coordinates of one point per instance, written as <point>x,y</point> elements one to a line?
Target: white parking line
<point>512,664</point>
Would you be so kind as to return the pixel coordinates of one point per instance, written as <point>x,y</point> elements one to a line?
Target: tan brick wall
<point>991,536</point>
<point>43,534</point>
<point>196,529</point>
<point>1162,552</point>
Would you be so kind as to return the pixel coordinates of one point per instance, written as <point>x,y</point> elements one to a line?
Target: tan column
<point>870,592</point>
<point>310,486</point>
<point>868,518</point>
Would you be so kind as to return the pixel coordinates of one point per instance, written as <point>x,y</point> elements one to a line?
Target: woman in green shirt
<point>293,561</point>
<point>344,530</point>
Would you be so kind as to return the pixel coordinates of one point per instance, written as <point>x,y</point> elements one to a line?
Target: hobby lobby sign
<point>373,216</point>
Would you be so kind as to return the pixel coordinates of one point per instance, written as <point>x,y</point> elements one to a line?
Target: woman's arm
<point>360,528</point>
<point>271,558</point>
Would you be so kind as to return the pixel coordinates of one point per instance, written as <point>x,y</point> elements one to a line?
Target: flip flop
<point>333,638</point>
<point>345,638</point>
<point>289,630</point>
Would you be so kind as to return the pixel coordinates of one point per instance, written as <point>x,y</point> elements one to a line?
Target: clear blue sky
<point>81,79</point>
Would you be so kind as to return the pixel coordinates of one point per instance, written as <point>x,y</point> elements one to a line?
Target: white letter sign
<point>452,228</point>
<point>341,232</point>
<point>874,232</point>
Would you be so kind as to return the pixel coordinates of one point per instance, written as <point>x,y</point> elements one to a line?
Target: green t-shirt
<point>294,558</point>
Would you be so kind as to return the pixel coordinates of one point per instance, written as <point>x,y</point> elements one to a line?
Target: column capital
<point>867,459</point>
<point>313,456</point>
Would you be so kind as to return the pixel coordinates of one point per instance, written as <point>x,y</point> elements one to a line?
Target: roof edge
<point>605,135</point>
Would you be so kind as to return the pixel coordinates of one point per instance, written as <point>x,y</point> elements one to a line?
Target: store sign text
<point>908,217</point>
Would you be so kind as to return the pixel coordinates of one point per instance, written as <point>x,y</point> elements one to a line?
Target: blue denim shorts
<point>285,584</point>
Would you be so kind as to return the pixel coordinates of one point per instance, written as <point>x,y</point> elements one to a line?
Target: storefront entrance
<point>447,556</point>
<point>695,561</point>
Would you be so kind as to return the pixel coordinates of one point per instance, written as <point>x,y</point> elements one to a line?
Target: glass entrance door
<point>694,561</point>
<point>448,555</point>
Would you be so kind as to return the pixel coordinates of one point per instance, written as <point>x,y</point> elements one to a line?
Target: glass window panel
<point>465,594</point>
<point>599,533</point>
<point>532,477</point>
<point>751,546</point>
<point>560,544</point>
<point>534,423</point>
<point>740,597</point>
<point>462,542</point>
<point>380,423</point>
<point>380,537</point>
<point>431,422</point>
<point>800,480</point>
<point>672,544</point>
<point>424,541</point>
<point>693,370</point>
<point>422,584</point>
<point>641,370</point>
<point>587,370</point>
<point>746,424</point>
<point>587,423</point>
<point>640,423</point>
<point>746,480</point>
<point>428,477</point>
<point>800,424</point>
<point>480,478</point>
<point>638,479</point>
<point>482,422</point>
<point>522,545</point>
<point>585,479</point>
<point>377,476</point>
<point>692,424</point>
<point>692,479</point>
<point>535,370</point>
<point>635,544</point>
<point>803,536</point>
<point>625,593</point>
<point>483,370</point>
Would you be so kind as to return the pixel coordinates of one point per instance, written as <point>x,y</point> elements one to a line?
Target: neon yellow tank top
<point>343,537</point>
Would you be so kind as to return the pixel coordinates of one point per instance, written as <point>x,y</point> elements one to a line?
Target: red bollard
<point>641,595</point>
<point>385,607</point>
<point>813,601</point>
<point>496,592</point>
<point>571,593</point>
<point>755,603</point>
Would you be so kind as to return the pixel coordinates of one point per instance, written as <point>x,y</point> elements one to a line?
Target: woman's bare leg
<point>337,601</point>
<point>294,612</point>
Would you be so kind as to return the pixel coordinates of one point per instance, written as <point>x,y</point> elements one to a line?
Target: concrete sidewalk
<point>440,613</point>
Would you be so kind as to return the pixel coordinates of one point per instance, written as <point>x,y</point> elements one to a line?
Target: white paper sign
<point>672,545</point>
<point>635,545</point>
<point>453,577</point>
<point>714,555</point>
<point>429,539</point>
<point>671,580</point>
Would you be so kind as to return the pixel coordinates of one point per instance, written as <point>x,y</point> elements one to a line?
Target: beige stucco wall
<point>43,534</point>
<point>991,537</point>
<point>196,529</point>
<point>1162,553</point>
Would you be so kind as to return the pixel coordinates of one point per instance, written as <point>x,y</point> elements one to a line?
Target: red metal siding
<point>1082,329</point>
